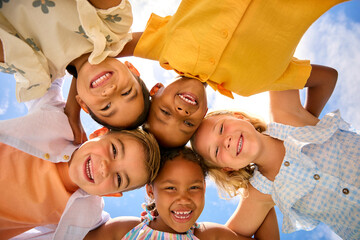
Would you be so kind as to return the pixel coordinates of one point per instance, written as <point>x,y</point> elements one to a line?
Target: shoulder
<point>115,228</point>
<point>214,231</point>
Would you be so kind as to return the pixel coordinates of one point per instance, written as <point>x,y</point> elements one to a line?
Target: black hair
<point>168,154</point>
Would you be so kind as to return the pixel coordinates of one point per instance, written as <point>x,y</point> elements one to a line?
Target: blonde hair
<point>151,150</point>
<point>230,183</point>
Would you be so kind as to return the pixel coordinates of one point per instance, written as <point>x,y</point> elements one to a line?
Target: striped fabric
<point>144,232</point>
<point>319,179</point>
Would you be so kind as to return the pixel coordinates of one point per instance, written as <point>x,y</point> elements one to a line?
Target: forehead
<point>180,169</point>
<point>119,135</point>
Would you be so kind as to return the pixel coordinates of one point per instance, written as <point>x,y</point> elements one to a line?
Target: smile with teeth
<point>181,215</point>
<point>187,98</point>
<point>240,144</point>
<point>88,168</point>
<point>100,80</point>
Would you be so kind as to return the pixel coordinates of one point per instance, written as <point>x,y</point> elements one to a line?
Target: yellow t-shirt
<point>243,46</point>
<point>34,192</point>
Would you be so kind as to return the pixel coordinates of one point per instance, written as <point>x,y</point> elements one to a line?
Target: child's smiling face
<point>176,111</point>
<point>228,141</point>
<point>110,90</point>
<point>179,193</point>
<point>112,163</point>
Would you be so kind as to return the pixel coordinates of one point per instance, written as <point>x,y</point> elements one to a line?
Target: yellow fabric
<point>34,192</point>
<point>243,46</point>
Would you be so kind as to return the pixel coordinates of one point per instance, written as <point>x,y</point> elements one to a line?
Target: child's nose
<point>109,90</point>
<point>183,197</point>
<point>227,142</point>
<point>182,111</point>
<point>104,168</point>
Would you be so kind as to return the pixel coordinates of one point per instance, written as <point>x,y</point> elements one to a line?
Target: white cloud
<point>322,231</point>
<point>333,41</point>
<point>4,103</point>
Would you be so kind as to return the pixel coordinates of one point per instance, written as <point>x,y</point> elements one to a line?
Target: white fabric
<point>40,38</point>
<point>45,132</point>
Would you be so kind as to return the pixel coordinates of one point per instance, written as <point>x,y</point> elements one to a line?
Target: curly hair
<point>230,183</point>
<point>168,154</point>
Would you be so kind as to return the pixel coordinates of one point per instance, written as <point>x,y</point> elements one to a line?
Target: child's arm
<point>1,52</point>
<point>113,229</point>
<point>72,110</point>
<point>251,213</point>
<point>286,108</point>
<point>128,50</point>
<point>104,4</point>
<point>215,231</point>
<point>269,229</point>
<point>320,86</point>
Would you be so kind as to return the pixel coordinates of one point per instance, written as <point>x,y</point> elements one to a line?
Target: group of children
<point>244,47</point>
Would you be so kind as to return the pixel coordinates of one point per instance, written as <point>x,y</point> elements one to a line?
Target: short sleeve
<point>107,29</point>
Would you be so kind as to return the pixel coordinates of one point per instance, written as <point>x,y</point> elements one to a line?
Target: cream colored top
<point>41,38</point>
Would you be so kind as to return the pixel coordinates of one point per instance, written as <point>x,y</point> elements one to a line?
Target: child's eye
<point>170,188</point>
<point>106,107</point>
<point>221,128</point>
<point>164,111</point>
<point>189,124</point>
<point>216,152</point>
<point>114,151</point>
<point>126,93</point>
<point>195,187</point>
<point>119,179</point>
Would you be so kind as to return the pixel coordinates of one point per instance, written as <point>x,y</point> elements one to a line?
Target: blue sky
<point>333,40</point>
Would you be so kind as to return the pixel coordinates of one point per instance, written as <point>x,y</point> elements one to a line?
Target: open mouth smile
<point>240,145</point>
<point>89,174</point>
<point>100,80</point>
<point>188,98</point>
<point>182,216</point>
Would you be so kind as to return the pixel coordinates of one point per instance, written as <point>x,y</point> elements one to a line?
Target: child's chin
<point>184,228</point>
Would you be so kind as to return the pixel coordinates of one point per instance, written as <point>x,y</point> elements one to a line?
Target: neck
<point>159,225</point>
<point>271,158</point>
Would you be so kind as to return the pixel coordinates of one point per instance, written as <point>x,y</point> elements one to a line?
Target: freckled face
<point>176,111</point>
<point>179,193</point>
<point>111,92</point>
<point>228,141</point>
<point>112,163</point>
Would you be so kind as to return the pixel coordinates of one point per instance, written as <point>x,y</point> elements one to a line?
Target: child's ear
<point>150,191</point>
<point>113,195</point>
<point>238,115</point>
<point>132,68</point>
<point>156,88</point>
<point>82,104</point>
<point>99,132</point>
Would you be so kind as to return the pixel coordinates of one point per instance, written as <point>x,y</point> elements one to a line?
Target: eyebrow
<point>127,180</point>
<point>110,114</point>
<point>212,130</point>
<point>122,147</point>
<point>159,119</point>
<point>185,132</point>
<point>174,182</point>
<point>133,97</point>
